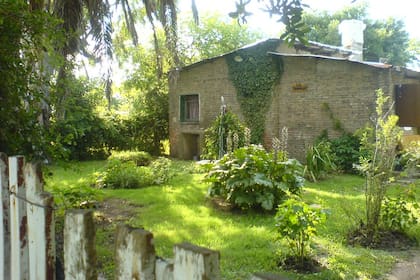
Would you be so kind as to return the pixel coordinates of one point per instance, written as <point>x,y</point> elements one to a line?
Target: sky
<point>407,10</point>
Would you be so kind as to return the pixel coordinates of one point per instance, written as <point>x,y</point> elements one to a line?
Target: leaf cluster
<point>140,158</point>
<point>379,148</point>
<point>297,221</point>
<point>227,125</point>
<point>250,177</point>
<point>320,160</point>
<point>289,12</point>
<point>397,212</point>
<point>25,39</point>
<point>128,175</point>
<point>383,39</point>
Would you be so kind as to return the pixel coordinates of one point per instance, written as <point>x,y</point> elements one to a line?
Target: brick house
<point>314,76</point>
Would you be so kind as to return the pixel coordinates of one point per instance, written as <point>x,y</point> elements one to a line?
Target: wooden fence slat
<point>79,245</point>
<point>40,225</point>
<point>19,255</point>
<point>4,216</point>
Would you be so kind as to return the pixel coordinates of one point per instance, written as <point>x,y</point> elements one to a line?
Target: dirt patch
<point>305,266</point>
<point>384,239</point>
<point>115,210</point>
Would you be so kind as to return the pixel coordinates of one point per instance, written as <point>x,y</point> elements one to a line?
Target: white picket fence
<point>27,238</point>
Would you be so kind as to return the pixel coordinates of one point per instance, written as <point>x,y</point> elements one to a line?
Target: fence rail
<point>27,238</point>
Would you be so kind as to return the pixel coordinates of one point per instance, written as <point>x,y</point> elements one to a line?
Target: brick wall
<point>307,85</point>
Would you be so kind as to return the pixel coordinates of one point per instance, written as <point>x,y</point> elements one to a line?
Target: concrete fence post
<point>40,210</point>
<point>164,269</point>
<point>4,216</point>
<point>134,254</point>
<point>19,255</point>
<point>195,263</point>
<point>79,245</point>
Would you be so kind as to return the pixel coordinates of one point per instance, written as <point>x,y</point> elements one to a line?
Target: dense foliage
<point>254,74</point>
<point>140,158</point>
<point>212,37</point>
<point>397,211</point>
<point>25,38</point>
<point>251,177</point>
<point>383,39</point>
<point>227,126</point>
<point>346,152</point>
<point>128,175</point>
<point>319,160</point>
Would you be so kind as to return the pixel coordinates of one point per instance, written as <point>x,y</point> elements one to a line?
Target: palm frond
<point>99,14</point>
<point>129,19</point>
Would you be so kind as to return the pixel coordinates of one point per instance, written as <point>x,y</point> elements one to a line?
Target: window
<point>189,108</point>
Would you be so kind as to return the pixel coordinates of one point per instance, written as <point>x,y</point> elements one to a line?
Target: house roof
<point>225,54</point>
<point>316,50</point>
<point>369,63</point>
<point>408,73</point>
<point>323,49</point>
<point>312,47</point>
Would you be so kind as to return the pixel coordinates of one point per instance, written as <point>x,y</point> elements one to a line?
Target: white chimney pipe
<point>352,37</point>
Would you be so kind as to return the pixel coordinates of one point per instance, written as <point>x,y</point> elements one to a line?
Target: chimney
<point>351,31</point>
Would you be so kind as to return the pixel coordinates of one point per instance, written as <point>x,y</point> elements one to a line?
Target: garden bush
<point>230,125</point>
<point>140,158</point>
<point>319,160</point>
<point>297,222</point>
<point>125,175</point>
<point>346,149</point>
<point>128,175</point>
<point>161,170</point>
<point>397,211</point>
<point>250,177</point>
<point>410,158</point>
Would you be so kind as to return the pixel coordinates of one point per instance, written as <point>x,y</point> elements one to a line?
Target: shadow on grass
<point>180,211</point>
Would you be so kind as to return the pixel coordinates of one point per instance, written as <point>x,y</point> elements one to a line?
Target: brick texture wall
<point>308,84</point>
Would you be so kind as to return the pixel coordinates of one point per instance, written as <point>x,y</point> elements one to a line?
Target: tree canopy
<point>385,40</point>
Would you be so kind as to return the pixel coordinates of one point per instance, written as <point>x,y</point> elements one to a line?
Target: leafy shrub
<point>397,213</point>
<point>81,196</point>
<point>138,157</point>
<point>250,177</point>
<point>346,150</point>
<point>319,160</point>
<point>297,221</point>
<point>161,170</point>
<point>230,125</point>
<point>410,158</point>
<point>125,175</point>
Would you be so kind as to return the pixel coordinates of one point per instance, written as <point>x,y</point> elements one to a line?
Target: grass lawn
<point>180,211</point>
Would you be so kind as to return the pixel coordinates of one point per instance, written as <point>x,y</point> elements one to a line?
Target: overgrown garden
<point>334,216</point>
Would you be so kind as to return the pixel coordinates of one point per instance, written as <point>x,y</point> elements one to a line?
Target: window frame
<point>183,108</point>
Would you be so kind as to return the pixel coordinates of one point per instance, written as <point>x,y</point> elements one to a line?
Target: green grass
<point>180,211</point>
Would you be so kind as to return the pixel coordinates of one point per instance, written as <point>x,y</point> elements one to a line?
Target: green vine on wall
<point>254,73</point>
